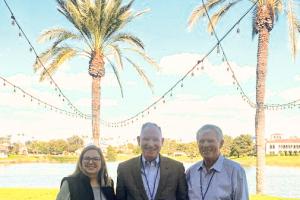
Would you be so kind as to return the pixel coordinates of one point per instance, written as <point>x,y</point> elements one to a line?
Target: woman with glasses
<point>90,180</point>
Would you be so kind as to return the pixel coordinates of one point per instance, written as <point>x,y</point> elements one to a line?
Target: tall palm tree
<point>264,15</point>
<point>98,34</point>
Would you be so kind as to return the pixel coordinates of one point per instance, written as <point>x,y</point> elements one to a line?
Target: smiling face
<point>209,146</point>
<point>150,142</point>
<point>91,163</point>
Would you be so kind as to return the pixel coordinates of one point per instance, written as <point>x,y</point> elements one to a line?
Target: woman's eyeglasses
<point>94,159</point>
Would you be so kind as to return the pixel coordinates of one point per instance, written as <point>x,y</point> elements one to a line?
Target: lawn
<point>50,194</point>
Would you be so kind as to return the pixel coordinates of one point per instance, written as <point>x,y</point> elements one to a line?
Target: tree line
<point>239,146</point>
<point>52,147</point>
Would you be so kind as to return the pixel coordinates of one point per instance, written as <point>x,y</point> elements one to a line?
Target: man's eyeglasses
<point>94,159</point>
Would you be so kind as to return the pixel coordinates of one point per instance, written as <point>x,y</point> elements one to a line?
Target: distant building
<point>4,146</point>
<point>278,145</point>
<point>3,151</point>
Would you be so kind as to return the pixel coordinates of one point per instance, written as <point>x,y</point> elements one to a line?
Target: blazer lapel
<point>163,176</point>
<point>136,170</point>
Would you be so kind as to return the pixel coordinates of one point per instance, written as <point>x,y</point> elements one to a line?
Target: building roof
<point>277,134</point>
<point>3,148</point>
<point>291,140</point>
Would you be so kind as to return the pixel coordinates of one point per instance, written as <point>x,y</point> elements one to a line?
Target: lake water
<point>280,181</point>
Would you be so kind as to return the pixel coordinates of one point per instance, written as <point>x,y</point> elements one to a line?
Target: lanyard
<point>203,195</point>
<point>144,173</point>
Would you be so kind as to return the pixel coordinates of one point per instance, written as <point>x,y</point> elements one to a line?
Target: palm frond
<point>217,16</point>
<point>70,9</point>
<point>147,58</point>
<point>125,8</point>
<point>199,11</point>
<point>140,13</point>
<point>128,38</point>
<point>141,73</point>
<point>46,56</point>
<point>116,74</point>
<point>59,35</point>
<point>111,21</point>
<point>293,27</point>
<point>53,34</point>
<point>278,8</point>
<point>64,55</point>
<point>117,55</point>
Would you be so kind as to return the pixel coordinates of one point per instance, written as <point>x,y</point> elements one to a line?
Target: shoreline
<point>284,161</point>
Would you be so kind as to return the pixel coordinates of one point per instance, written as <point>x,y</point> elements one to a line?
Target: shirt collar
<point>217,166</point>
<point>153,162</point>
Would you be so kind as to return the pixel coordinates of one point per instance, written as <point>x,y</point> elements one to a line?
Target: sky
<point>207,97</point>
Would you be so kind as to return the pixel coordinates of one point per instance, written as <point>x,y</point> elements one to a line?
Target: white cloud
<point>223,77</point>
<point>16,99</point>
<point>43,125</point>
<point>183,116</point>
<point>297,78</point>
<point>180,64</point>
<point>180,117</point>
<point>21,80</point>
<point>290,94</point>
<point>80,82</point>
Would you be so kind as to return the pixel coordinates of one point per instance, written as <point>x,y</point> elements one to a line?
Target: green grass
<point>50,194</point>
<point>27,194</point>
<point>264,197</point>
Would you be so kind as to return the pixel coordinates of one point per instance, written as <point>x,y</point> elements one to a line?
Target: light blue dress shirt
<point>152,172</point>
<point>228,182</point>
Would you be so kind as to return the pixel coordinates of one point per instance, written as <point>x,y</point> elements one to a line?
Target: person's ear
<point>162,141</point>
<point>221,143</point>
<point>138,140</point>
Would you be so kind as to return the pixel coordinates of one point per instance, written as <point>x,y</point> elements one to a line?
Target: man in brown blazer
<point>151,176</point>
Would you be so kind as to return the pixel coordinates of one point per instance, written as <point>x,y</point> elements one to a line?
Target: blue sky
<point>207,97</point>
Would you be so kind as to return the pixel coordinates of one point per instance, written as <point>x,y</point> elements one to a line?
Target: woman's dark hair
<point>102,176</point>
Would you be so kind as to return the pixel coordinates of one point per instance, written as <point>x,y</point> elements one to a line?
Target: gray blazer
<point>172,184</point>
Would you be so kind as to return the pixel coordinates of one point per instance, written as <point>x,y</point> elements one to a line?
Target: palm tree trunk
<point>261,71</point>
<point>96,109</point>
<point>97,71</point>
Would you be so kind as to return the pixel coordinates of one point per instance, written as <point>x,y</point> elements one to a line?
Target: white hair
<point>212,127</point>
<point>150,125</point>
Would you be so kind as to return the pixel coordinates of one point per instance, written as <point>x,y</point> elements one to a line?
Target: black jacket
<point>80,188</point>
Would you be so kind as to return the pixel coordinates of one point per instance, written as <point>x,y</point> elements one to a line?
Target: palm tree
<point>98,35</point>
<point>264,14</point>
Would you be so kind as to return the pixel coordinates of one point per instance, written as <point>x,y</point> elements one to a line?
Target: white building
<point>4,146</point>
<point>278,145</point>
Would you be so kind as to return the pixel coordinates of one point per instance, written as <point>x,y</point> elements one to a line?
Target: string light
<point>218,46</point>
<point>238,29</point>
<point>180,81</point>
<point>239,87</point>
<point>38,61</point>
<point>39,101</point>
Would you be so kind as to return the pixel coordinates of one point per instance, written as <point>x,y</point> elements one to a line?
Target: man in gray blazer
<point>151,176</point>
